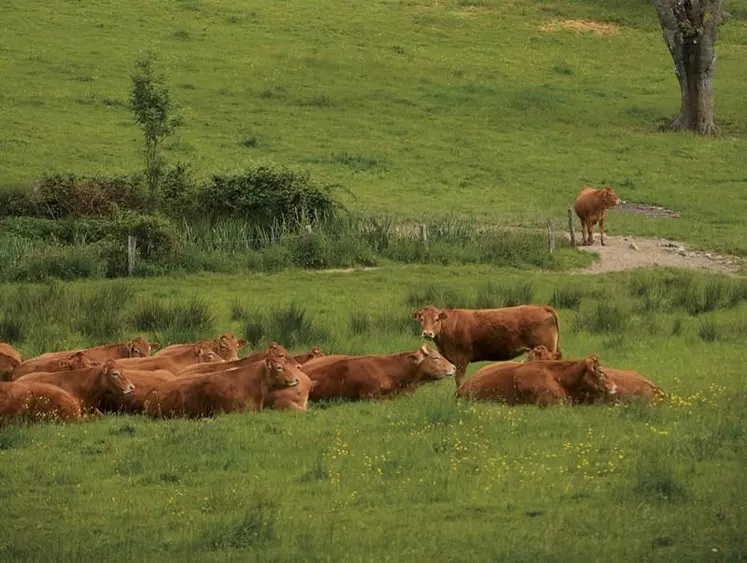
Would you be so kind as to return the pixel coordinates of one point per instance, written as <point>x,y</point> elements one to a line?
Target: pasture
<point>463,114</point>
<point>488,110</point>
<point>417,478</point>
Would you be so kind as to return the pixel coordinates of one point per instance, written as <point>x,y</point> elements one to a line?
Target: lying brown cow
<point>591,208</point>
<point>540,382</point>
<point>631,385</point>
<point>77,360</point>
<point>369,377</point>
<point>144,382</point>
<point>10,359</point>
<point>232,390</point>
<point>176,362</point>
<point>477,335</point>
<point>31,401</point>
<point>227,346</point>
<point>88,385</point>
<point>202,369</point>
<point>139,347</point>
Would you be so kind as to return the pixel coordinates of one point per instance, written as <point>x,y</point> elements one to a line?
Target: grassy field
<point>472,109</point>
<point>418,478</point>
<point>465,107</point>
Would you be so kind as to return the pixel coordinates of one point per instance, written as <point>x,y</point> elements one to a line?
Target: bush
<point>267,194</point>
<point>193,316</point>
<point>61,262</point>
<point>67,195</point>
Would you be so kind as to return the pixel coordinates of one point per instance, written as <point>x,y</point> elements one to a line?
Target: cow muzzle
<point>292,383</point>
<point>429,334</point>
<point>129,389</point>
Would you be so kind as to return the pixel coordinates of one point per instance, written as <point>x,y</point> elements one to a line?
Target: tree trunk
<point>689,28</point>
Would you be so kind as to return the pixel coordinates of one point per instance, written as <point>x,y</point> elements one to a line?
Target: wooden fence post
<point>424,236</point>
<point>550,236</point>
<point>131,249</point>
<point>570,226</point>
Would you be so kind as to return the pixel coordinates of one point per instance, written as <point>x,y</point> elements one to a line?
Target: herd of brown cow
<point>201,379</point>
<point>206,378</point>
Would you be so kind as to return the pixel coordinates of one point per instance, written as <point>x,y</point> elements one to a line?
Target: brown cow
<point>368,377</point>
<point>591,208</point>
<point>541,382</point>
<point>89,385</point>
<point>144,382</point>
<point>631,385</point>
<point>138,347</point>
<point>202,369</point>
<point>10,359</point>
<point>77,360</point>
<point>227,346</point>
<point>542,353</point>
<point>295,398</point>
<point>477,335</point>
<point>176,362</point>
<point>232,390</point>
<point>32,401</point>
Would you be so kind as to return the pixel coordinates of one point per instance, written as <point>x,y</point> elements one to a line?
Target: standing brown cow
<point>591,207</point>
<point>478,335</point>
<point>540,382</point>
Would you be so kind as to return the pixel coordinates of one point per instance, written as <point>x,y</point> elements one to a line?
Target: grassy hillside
<point>417,108</point>
<point>418,478</point>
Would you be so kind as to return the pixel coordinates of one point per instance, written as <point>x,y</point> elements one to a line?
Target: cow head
<point>430,318</point>
<point>595,379</point>
<point>79,360</point>
<point>7,365</point>
<point>609,197</point>
<point>308,356</point>
<point>228,346</point>
<point>115,380</point>
<point>282,370</point>
<point>206,354</point>
<point>140,348</point>
<point>431,364</point>
<point>541,353</point>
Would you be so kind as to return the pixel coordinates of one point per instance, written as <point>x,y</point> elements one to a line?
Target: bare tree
<point>689,28</point>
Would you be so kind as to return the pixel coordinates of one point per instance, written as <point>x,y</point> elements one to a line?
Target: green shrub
<point>67,195</point>
<point>61,262</point>
<point>155,315</point>
<point>568,297</point>
<point>266,194</point>
<point>603,317</point>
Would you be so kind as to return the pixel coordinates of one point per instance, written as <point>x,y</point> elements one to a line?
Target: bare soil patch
<point>625,253</point>
<point>654,211</point>
<point>588,26</point>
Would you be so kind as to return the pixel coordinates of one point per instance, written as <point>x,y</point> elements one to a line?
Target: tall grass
<point>290,325</point>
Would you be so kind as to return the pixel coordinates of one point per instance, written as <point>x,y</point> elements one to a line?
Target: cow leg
<point>601,230</point>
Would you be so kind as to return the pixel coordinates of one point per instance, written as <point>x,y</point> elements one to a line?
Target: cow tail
<point>556,321</point>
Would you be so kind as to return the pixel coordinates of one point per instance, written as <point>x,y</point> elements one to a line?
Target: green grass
<point>424,108</point>
<point>418,478</point>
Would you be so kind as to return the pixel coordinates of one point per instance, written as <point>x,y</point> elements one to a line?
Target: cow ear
<point>442,315</point>
<point>416,357</point>
<point>416,315</point>
<point>425,350</point>
<point>154,346</point>
<point>242,342</point>
<point>130,347</point>
<point>64,364</point>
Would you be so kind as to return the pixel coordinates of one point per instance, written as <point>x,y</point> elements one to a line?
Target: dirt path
<point>625,253</point>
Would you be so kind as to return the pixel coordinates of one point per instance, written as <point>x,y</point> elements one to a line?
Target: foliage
<point>151,105</point>
<point>267,194</point>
